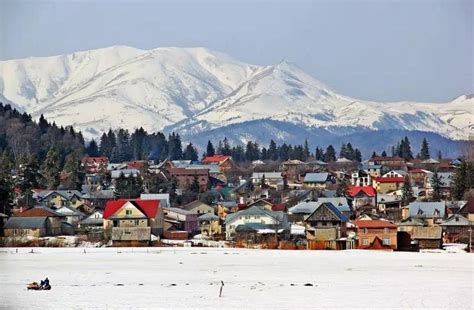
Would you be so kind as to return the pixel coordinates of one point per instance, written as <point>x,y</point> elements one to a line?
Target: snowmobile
<point>36,287</point>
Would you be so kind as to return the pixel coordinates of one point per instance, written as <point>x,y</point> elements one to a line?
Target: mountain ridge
<point>193,90</point>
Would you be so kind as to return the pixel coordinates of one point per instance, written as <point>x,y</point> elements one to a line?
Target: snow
<point>170,278</point>
<point>195,89</point>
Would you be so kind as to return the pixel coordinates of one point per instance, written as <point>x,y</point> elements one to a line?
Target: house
<point>361,178</point>
<point>59,198</point>
<point>388,184</point>
<point>262,203</point>
<point>198,207</point>
<point>93,222</point>
<point>181,219</point>
<point>317,180</point>
<point>255,219</point>
<point>185,177</point>
<point>364,199</point>
<point>326,228</point>
<point>340,203</point>
<point>293,169</point>
<point>126,172</point>
<point>26,227</point>
<point>427,237</point>
<point>418,176</point>
<point>445,183</point>
<point>272,179</point>
<point>454,206</point>
<point>407,225</point>
<point>456,229</point>
<point>225,162</point>
<point>373,170</point>
<point>73,216</point>
<point>35,222</point>
<point>390,162</point>
<point>209,224</point>
<point>395,174</point>
<point>92,165</point>
<point>376,234</point>
<point>132,221</point>
<point>97,199</point>
<point>468,209</point>
<point>225,208</point>
<point>431,212</point>
<point>390,205</point>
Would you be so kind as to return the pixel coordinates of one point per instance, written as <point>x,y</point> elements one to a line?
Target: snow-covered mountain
<point>195,90</point>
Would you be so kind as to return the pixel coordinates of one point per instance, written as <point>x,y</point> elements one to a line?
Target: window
<point>365,241</point>
<point>137,222</point>
<point>115,223</point>
<point>386,241</point>
<point>128,212</point>
<point>385,230</point>
<point>366,231</point>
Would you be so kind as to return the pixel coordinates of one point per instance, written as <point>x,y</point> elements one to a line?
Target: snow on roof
<point>268,175</point>
<point>427,209</point>
<point>320,177</point>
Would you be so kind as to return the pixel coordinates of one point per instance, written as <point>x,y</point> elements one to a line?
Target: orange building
<point>376,234</point>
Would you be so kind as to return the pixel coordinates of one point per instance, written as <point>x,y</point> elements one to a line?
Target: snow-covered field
<point>254,279</point>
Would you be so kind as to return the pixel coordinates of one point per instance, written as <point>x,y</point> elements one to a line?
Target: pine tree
<point>460,179</point>
<point>226,150</point>
<point>43,124</point>
<point>350,151</point>
<point>374,155</point>
<point>357,155</point>
<point>51,169</point>
<point>306,152</point>
<point>436,187</point>
<point>74,171</point>
<point>342,188</point>
<point>330,154</point>
<point>194,187</point>
<point>28,174</point>
<point>190,153</point>
<point>424,152</point>
<point>343,151</point>
<point>384,154</point>
<point>263,181</point>
<point>272,151</point>
<point>407,191</point>
<point>210,151</point>
<point>6,183</point>
<point>92,149</point>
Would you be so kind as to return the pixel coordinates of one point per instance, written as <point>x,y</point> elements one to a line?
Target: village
<point>383,203</point>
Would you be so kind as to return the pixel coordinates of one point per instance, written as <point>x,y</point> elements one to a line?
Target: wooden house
<point>318,180</point>
<point>376,234</point>
<point>325,228</point>
<point>186,177</point>
<point>35,222</point>
<point>183,220</point>
<point>456,229</point>
<point>132,221</point>
<point>427,237</point>
<point>225,162</point>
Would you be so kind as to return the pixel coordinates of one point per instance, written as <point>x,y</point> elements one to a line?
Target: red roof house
<point>367,190</point>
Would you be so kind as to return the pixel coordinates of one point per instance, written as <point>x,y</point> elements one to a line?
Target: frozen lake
<point>171,278</point>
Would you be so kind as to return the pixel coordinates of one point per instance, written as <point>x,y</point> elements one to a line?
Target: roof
<point>468,207</point>
<point>66,210</point>
<point>389,179</point>
<point>418,170</point>
<point>180,211</point>
<point>147,207</point>
<point>39,211</point>
<point>430,161</point>
<point>434,232</point>
<point>374,224</point>
<point>92,221</point>
<point>316,177</point>
<point>255,210</point>
<point>368,167</point>
<point>268,175</point>
<point>411,221</point>
<point>193,204</point>
<point>304,207</point>
<point>26,222</point>
<point>444,177</point>
<point>339,202</point>
<point>279,207</point>
<point>94,159</point>
<point>216,159</point>
<point>368,190</point>
<point>126,173</point>
<point>456,220</point>
<point>186,171</point>
<point>333,209</point>
<point>427,209</point>
<point>208,217</point>
<point>68,194</point>
<point>102,194</point>
<point>213,168</point>
<point>386,158</point>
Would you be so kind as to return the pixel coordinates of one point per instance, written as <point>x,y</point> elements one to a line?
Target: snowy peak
<point>196,89</point>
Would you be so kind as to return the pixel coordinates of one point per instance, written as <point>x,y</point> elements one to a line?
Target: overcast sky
<point>379,50</point>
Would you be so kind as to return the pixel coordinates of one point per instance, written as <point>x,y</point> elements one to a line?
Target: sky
<point>420,50</point>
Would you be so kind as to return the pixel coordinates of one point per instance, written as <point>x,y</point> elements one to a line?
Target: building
<point>93,165</point>
<point>374,171</point>
<point>225,162</point>
<point>93,222</point>
<point>427,237</point>
<point>73,216</point>
<point>432,213</point>
<point>185,177</point>
<point>181,219</point>
<point>468,209</point>
<point>198,207</point>
<point>376,234</point>
<point>318,180</point>
<point>361,178</point>
<point>272,179</point>
<point>132,221</point>
<point>456,229</point>
<point>60,198</point>
<point>209,224</point>
<point>364,199</point>
<point>388,184</point>
<point>35,222</point>
<point>256,219</point>
<point>326,228</point>
<point>445,183</point>
<point>389,162</point>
